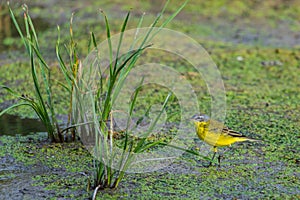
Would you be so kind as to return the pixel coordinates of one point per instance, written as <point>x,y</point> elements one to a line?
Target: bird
<point>207,130</point>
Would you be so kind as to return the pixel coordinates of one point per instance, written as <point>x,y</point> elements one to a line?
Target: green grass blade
<point>30,30</point>
<point>12,92</point>
<point>18,28</point>
<point>137,31</point>
<point>148,145</point>
<point>39,55</point>
<point>154,24</point>
<point>174,15</point>
<point>120,41</point>
<point>92,42</point>
<point>122,170</point>
<point>133,57</point>
<point>42,109</point>
<point>100,89</point>
<point>63,86</point>
<point>76,125</point>
<point>61,62</point>
<point>13,106</point>
<point>131,107</point>
<point>31,26</point>
<point>141,143</point>
<point>122,78</point>
<point>107,101</point>
<point>166,22</point>
<point>33,69</point>
<point>123,74</point>
<point>135,53</point>
<point>27,30</point>
<point>138,89</point>
<point>108,35</point>
<point>185,150</point>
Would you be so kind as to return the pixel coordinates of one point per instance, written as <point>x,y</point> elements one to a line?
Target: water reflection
<point>12,125</point>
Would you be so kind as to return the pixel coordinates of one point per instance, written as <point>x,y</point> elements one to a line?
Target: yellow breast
<point>214,139</point>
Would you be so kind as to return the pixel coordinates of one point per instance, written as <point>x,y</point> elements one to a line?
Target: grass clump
<point>42,102</point>
<point>94,103</point>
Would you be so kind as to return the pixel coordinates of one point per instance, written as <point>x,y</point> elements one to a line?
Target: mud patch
<point>15,178</point>
<point>32,168</point>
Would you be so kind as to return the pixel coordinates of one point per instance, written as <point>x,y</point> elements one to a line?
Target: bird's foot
<point>219,160</point>
<point>209,165</point>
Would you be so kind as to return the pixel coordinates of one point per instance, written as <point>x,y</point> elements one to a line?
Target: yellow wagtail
<point>213,138</point>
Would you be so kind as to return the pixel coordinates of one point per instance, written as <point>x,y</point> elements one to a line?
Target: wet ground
<point>34,168</point>
<point>22,170</point>
<point>16,179</point>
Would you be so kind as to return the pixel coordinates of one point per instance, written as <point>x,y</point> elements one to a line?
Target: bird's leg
<point>219,159</point>
<point>210,162</point>
<point>222,155</point>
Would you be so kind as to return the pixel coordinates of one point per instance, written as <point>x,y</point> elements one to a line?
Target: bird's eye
<point>200,118</point>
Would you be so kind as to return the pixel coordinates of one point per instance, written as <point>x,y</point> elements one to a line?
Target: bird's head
<point>200,118</point>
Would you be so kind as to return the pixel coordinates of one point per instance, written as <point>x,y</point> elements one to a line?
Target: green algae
<point>68,171</point>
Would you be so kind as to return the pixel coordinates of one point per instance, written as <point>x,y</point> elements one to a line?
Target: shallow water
<point>12,125</point>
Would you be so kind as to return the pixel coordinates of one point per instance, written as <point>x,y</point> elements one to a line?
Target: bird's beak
<point>192,119</point>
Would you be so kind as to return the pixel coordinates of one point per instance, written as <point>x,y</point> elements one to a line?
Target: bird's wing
<point>216,126</point>
<point>231,132</point>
